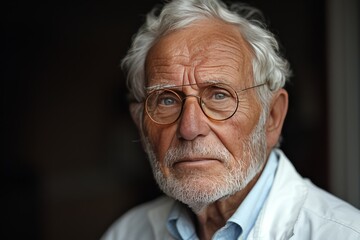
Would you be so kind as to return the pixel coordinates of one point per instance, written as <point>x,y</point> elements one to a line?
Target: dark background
<point>72,162</point>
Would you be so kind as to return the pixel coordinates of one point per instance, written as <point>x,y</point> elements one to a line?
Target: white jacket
<point>295,209</point>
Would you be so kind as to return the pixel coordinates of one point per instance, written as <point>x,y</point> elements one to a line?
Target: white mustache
<point>197,150</point>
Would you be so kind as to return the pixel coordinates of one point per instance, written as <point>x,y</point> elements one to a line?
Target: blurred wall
<point>72,162</point>
<point>343,24</point>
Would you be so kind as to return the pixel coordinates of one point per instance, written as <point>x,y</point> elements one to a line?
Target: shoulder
<point>141,222</point>
<point>326,215</point>
<point>296,207</point>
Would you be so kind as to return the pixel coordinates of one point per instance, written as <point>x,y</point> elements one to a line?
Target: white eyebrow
<point>164,86</point>
<point>159,86</point>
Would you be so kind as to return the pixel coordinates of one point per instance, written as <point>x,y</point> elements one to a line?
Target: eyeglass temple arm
<point>255,86</point>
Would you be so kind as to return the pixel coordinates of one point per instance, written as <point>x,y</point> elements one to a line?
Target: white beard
<point>198,190</point>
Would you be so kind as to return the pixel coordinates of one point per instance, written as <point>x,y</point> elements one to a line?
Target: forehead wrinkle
<point>239,53</point>
<point>234,52</point>
<point>229,67</point>
<point>167,60</point>
<point>164,58</point>
<point>218,72</point>
<point>195,50</point>
<point>228,46</point>
<point>221,71</point>
<point>237,58</point>
<point>161,66</point>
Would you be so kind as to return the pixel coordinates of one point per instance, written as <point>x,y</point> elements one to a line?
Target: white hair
<point>268,65</point>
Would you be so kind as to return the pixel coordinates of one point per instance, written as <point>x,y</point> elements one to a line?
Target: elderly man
<point>206,82</point>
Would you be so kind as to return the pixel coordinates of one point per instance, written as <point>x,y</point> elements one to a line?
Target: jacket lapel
<point>281,210</point>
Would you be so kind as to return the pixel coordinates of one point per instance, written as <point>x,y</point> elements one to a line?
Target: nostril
<point>192,122</point>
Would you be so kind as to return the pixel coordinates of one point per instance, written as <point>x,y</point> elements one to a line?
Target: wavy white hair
<point>268,65</point>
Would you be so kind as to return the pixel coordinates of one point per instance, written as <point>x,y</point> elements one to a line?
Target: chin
<point>199,190</point>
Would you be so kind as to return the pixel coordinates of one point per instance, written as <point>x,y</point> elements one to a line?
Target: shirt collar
<point>180,223</point>
<point>181,226</point>
<point>246,214</point>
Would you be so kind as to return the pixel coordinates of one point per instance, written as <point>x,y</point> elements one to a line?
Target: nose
<point>193,122</point>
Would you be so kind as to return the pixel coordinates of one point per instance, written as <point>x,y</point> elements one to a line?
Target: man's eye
<point>167,101</point>
<point>219,96</point>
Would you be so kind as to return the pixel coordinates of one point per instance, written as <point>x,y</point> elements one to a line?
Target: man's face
<point>198,160</point>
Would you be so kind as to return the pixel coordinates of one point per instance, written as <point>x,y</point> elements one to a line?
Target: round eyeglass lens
<point>219,102</point>
<point>163,106</point>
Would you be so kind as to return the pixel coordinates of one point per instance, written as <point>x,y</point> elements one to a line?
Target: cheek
<point>235,131</point>
<point>160,137</point>
<point>232,137</point>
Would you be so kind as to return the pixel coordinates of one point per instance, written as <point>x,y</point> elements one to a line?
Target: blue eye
<point>167,101</point>
<point>167,98</point>
<point>219,96</point>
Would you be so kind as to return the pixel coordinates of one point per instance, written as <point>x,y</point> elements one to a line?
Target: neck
<point>214,216</point>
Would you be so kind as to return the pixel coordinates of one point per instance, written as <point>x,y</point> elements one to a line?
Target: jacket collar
<point>282,208</point>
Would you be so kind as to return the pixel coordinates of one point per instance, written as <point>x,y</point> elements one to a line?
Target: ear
<point>136,112</point>
<point>277,112</point>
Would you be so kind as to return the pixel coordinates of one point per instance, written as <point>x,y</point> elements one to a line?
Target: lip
<point>195,162</point>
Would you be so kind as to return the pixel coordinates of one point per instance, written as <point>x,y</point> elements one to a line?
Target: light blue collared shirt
<point>180,223</point>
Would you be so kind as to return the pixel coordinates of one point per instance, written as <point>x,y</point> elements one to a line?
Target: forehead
<point>206,50</point>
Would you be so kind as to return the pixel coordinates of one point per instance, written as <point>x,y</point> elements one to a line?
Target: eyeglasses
<point>217,101</point>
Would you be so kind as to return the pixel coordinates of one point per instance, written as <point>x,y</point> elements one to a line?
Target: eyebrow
<point>165,86</point>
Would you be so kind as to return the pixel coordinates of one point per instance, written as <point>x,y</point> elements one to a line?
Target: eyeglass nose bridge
<point>198,100</point>
<point>192,95</point>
